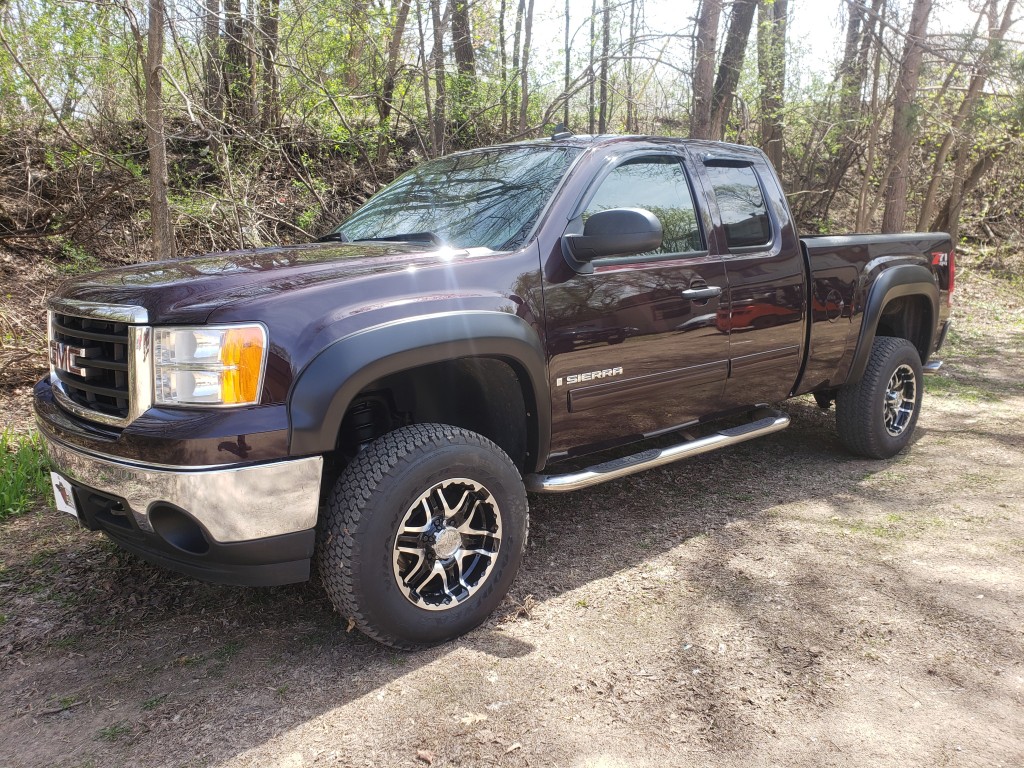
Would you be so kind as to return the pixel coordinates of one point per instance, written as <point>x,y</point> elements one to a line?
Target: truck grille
<point>97,353</point>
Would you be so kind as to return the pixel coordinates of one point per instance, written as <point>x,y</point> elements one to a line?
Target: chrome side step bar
<point>932,366</point>
<point>764,422</point>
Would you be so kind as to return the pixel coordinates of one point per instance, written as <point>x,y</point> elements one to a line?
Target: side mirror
<point>615,232</point>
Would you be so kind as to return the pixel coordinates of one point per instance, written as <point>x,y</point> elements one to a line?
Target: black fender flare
<point>327,385</point>
<point>893,283</point>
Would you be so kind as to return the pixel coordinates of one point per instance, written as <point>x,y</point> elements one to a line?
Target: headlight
<point>209,365</point>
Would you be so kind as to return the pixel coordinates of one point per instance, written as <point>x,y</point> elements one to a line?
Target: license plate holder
<point>64,494</point>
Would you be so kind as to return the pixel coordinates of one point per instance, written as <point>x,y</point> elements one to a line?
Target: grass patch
<point>76,260</point>
<point>227,651</point>
<point>950,387</point>
<point>114,732</point>
<point>154,702</point>
<point>24,472</point>
<point>71,642</point>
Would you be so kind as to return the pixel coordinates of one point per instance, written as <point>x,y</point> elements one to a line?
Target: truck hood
<point>188,290</point>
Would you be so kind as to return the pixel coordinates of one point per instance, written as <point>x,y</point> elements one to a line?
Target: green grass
<point>154,702</point>
<point>75,260</point>
<point>24,472</point>
<point>954,387</point>
<point>227,651</point>
<point>114,732</point>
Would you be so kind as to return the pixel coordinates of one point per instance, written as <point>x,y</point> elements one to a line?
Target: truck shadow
<point>234,667</point>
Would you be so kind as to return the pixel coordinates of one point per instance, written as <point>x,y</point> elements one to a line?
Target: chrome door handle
<point>702,294</point>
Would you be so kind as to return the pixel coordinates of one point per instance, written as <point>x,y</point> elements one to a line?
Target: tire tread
<point>855,402</point>
<point>337,554</point>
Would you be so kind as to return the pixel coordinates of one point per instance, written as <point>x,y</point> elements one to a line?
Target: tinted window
<point>742,206</point>
<point>659,186</point>
<point>490,199</point>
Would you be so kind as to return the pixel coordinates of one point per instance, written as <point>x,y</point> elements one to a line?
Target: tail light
<point>952,276</point>
<point>947,272</point>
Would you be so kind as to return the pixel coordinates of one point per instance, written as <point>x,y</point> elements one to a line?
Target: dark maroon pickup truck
<point>381,401</point>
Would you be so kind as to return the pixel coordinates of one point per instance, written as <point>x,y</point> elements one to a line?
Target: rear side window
<point>658,185</point>
<point>744,213</point>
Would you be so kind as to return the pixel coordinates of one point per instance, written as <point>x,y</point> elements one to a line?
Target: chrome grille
<point>100,367</point>
<point>91,361</point>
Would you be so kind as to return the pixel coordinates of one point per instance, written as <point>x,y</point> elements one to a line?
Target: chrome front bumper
<point>232,504</point>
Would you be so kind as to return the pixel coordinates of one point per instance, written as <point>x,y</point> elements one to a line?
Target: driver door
<point>633,344</point>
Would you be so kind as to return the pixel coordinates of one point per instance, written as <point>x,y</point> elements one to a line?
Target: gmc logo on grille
<point>63,356</point>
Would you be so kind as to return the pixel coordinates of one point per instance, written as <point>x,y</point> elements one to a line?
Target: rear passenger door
<point>633,344</point>
<point>764,265</point>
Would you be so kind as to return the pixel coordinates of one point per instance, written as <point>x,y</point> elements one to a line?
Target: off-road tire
<point>861,406</point>
<point>370,502</point>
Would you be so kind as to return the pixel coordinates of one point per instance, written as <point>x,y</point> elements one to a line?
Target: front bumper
<point>245,524</point>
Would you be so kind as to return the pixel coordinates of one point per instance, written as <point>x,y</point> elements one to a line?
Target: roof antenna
<point>561,132</point>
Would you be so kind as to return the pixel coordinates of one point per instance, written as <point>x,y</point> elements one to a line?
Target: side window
<point>657,184</point>
<point>744,213</point>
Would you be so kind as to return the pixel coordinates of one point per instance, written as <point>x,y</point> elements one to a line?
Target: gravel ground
<point>778,603</point>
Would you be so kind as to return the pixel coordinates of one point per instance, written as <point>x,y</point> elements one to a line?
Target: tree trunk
<point>592,72</point>
<point>516,69</point>
<point>631,119</point>
<point>771,67</point>
<point>565,82</point>
<point>159,211</point>
<point>213,73</point>
<point>503,56</point>
<point>864,211</point>
<point>357,26</point>
<point>525,76</point>
<point>270,116</point>
<point>237,76</point>
<point>732,62</point>
<point>904,121</point>
<point>425,76</point>
<point>851,79</point>
<point>967,106</point>
<point>947,219</point>
<point>387,90</point>
<point>462,39</point>
<point>602,117</point>
<point>437,128</point>
<point>847,134</point>
<point>704,68</point>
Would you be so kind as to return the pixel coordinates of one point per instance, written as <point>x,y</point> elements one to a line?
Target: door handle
<point>702,294</point>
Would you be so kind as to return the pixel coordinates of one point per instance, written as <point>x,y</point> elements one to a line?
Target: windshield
<point>491,198</point>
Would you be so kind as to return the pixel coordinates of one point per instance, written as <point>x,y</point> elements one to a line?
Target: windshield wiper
<point>334,237</point>
<point>407,237</point>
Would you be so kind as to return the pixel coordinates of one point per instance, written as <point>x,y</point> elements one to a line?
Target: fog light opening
<point>178,529</point>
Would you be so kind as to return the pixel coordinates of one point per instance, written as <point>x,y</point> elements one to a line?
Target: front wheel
<point>876,416</point>
<point>423,535</point>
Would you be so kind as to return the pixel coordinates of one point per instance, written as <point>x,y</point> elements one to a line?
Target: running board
<point>932,366</point>
<point>765,421</point>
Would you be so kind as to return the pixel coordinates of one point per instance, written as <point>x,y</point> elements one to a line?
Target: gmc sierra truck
<point>378,403</point>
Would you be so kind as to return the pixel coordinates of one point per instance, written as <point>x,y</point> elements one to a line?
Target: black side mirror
<point>615,232</point>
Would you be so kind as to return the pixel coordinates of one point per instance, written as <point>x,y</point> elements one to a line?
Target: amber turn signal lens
<point>241,354</point>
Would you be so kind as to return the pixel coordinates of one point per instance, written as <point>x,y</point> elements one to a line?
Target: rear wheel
<point>423,536</point>
<point>876,416</point>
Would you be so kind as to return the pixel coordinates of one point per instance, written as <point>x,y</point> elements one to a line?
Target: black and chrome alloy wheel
<point>900,400</point>
<point>447,544</point>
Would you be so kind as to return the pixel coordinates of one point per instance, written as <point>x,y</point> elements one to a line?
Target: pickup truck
<point>378,403</point>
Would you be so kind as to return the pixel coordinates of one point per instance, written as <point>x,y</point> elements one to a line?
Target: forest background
<point>138,129</point>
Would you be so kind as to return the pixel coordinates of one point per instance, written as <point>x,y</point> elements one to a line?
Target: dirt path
<point>776,604</point>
